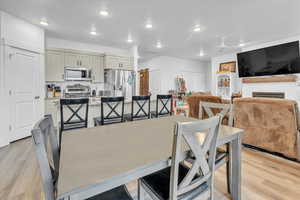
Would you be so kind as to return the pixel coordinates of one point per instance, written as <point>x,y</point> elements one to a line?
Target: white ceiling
<point>251,21</point>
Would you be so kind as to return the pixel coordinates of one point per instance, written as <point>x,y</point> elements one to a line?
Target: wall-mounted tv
<point>275,60</point>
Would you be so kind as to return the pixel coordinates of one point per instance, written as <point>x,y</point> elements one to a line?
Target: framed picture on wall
<point>228,67</point>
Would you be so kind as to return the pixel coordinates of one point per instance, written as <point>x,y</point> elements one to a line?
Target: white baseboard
<point>3,143</point>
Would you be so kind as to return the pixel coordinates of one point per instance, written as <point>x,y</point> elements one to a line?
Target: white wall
<point>166,69</point>
<point>67,44</point>
<point>16,33</point>
<point>215,64</point>
<point>290,89</point>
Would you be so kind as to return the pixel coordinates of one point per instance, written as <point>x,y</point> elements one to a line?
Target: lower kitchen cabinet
<point>97,67</point>
<point>51,108</point>
<point>94,111</point>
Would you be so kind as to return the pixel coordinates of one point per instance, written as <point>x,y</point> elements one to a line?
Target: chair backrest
<point>194,101</point>
<point>112,110</point>
<point>162,107</point>
<point>211,109</point>
<point>46,147</point>
<point>77,111</point>
<point>203,154</point>
<point>143,107</point>
<point>274,119</point>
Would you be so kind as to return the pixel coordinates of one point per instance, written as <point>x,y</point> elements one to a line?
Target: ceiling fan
<point>223,47</point>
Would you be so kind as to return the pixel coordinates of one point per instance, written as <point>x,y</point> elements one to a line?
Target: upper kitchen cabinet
<point>80,59</point>
<point>55,61</point>
<point>72,59</point>
<point>97,67</point>
<point>118,62</point>
<point>86,61</point>
<point>58,59</point>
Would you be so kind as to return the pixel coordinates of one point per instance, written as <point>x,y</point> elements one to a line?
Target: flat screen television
<point>275,60</point>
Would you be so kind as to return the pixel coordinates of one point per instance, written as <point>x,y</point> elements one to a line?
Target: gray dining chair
<point>43,137</point>
<point>223,156</point>
<point>181,181</point>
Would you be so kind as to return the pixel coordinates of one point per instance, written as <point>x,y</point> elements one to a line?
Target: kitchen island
<point>52,106</point>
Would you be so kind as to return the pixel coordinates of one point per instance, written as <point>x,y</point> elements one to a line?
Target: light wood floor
<point>264,177</point>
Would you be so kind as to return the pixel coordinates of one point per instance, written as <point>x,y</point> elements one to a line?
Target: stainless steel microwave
<point>77,74</point>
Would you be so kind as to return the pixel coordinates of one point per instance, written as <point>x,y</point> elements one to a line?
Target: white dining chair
<point>223,156</point>
<point>181,181</point>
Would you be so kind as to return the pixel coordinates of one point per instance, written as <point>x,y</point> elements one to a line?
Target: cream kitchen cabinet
<point>89,61</point>
<point>118,62</point>
<point>52,108</point>
<point>97,67</point>
<point>78,60</point>
<point>86,61</point>
<point>55,62</point>
<point>73,60</point>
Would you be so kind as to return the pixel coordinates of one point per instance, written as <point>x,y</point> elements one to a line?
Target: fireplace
<point>278,95</point>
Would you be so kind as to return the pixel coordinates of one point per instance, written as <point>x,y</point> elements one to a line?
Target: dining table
<point>98,159</point>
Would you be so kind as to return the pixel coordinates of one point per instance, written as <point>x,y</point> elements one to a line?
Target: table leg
<point>229,168</point>
<point>236,168</point>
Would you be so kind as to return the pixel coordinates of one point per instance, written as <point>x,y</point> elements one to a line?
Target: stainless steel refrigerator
<point>120,82</point>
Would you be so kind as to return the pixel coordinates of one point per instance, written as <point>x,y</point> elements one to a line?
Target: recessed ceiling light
<point>201,54</point>
<point>93,33</point>
<point>197,28</point>
<point>104,13</point>
<point>158,45</point>
<point>242,44</point>
<point>149,25</point>
<point>129,38</point>
<point>44,22</point>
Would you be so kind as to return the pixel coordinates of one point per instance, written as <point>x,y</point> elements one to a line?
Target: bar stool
<point>112,111</point>
<point>162,108</point>
<point>140,108</point>
<point>78,110</point>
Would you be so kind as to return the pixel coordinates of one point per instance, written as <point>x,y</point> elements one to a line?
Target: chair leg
<point>139,192</point>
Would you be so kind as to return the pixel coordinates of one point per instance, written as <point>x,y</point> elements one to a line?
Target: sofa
<point>269,124</point>
<point>194,101</point>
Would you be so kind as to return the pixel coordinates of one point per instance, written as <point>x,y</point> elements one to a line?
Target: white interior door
<point>24,92</point>
<point>154,83</point>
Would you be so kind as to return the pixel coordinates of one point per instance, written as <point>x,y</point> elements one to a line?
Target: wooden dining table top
<point>92,155</point>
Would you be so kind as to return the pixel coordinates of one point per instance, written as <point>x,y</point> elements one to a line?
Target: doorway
<point>144,82</point>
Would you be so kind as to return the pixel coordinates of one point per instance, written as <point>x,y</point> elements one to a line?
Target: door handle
<point>37,97</point>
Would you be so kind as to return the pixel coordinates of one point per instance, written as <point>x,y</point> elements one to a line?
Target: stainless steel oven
<point>77,74</point>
